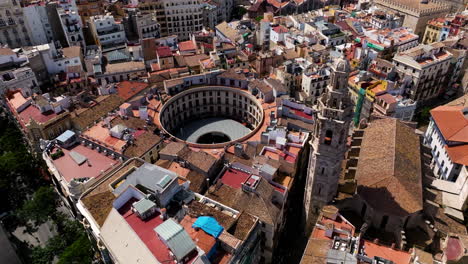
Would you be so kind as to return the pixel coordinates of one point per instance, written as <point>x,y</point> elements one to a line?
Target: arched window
<point>328,137</point>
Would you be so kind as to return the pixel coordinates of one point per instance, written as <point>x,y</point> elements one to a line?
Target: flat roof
<point>234,178</point>
<point>145,231</point>
<point>150,176</point>
<point>95,165</point>
<point>372,250</point>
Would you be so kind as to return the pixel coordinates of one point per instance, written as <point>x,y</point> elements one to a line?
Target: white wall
<point>38,24</point>
<point>441,160</point>
<point>56,65</point>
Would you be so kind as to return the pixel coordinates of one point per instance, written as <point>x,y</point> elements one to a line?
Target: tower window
<point>328,137</point>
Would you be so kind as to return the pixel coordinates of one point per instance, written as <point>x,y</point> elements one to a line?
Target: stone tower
<point>328,142</point>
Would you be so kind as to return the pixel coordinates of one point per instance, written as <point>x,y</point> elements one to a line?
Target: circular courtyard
<point>211,116</point>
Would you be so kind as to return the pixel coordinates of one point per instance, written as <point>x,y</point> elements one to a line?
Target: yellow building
<point>436,30</point>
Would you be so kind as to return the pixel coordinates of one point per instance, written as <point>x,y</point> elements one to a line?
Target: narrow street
<point>293,241</point>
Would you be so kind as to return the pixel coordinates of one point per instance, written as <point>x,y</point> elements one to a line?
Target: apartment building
<point>89,8</point>
<point>70,23</point>
<point>447,139</point>
<point>107,32</point>
<point>428,67</point>
<point>137,214</point>
<point>385,43</point>
<point>314,84</point>
<point>145,24</point>
<point>37,21</point>
<point>58,60</point>
<point>13,29</point>
<point>437,30</point>
<point>39,117</point>
<point>216,11</point>
<point>179,17</point>
<point>18,78</point>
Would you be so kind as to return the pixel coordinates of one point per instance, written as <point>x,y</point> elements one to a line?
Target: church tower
<point>328,142</point>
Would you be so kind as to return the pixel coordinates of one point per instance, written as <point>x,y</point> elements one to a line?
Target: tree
<point>41,207</point>
<point>78,252</point>
<point>71,246</point>
<point>238,12</point>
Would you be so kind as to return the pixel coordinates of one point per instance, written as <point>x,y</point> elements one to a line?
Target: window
<point>328,137</point>
<point>384,222</point>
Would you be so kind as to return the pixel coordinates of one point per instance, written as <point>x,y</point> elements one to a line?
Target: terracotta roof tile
<point>458,154</point>
<point>389,168</point>
<point>163,51</point>
<point>187,45</point>
<point>451,122</point>
<point>128,89</point>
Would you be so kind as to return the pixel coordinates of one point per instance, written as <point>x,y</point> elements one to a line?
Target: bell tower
<point>328,142</point>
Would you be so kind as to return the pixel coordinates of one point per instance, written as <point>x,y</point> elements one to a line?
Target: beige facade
<point>426,68</point>
<point>416,13</point>
<point>176,17</point>
<point>328,142</point>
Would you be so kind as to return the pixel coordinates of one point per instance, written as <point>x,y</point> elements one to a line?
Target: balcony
<point>74,29</point>
<point>114,29</point>
<point>71,22</point>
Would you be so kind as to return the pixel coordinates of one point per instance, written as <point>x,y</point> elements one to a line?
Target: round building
<point>211,116</point>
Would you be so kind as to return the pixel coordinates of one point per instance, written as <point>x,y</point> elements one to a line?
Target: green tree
<point>41,207</point>
<point>71,246</point>
<point>79,252</point>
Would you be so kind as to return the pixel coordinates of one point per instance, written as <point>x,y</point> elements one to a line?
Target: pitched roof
<point>258,204</point>
<point>232,74</point>
<point>194,60</point>
<point>200,159</point>
<point>227,31</point>
<point>128,89</point>
<point>452,123</point>
<point>187,45</point>
<point>86,116</point>
<point>280,29</point>
<point>176,238</point>
<point>458,154</point>
<point>164,51</point>
<point>389,168</point>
